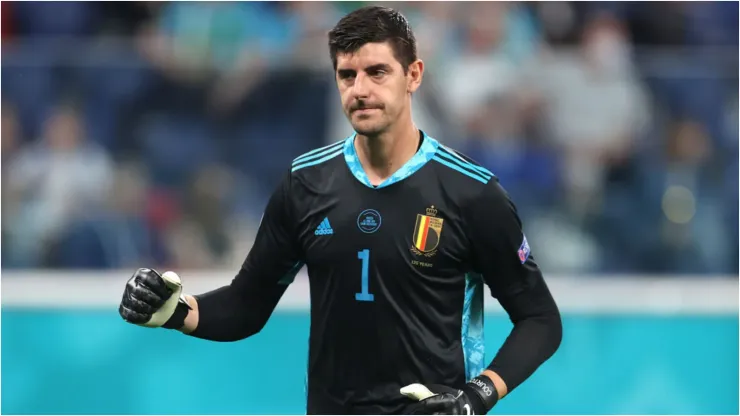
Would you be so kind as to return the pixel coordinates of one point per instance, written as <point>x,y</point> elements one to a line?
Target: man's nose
<point>361,86</point>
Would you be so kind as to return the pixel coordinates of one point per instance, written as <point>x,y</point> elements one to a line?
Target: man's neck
<point>383,155</point>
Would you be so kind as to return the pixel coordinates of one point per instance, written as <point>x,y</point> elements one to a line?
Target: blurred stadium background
<point>150,134</point>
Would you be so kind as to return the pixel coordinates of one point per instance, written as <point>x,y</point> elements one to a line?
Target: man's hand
<point>153,300</point>
<point>475,398</point>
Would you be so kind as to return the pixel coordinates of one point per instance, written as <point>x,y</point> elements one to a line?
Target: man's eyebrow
<point>377,67</point>
<point>344,72</point>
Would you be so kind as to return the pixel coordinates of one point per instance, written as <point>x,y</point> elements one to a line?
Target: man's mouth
<point>363,110</point>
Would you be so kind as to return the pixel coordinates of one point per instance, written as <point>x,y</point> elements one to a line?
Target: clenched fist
<point>154,300</point>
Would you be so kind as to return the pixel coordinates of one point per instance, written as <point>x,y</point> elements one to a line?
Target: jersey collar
<point>425,153</point>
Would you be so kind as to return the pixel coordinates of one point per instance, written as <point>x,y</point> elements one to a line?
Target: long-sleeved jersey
<point>397,271</point>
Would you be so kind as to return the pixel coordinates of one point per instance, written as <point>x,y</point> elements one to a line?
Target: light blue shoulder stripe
<point>316,153</point>
<point>458,168</point>
<point>450,154</point>
<point>318,161</point>
<point>465,165</point>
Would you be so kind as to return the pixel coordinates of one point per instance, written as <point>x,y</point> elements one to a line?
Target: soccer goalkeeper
<point>400,236</point>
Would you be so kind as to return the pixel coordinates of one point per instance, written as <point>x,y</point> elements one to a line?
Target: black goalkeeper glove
<point>476,398</point>
<point>154,300</point>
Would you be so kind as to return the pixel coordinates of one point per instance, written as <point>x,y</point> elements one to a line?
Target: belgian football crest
<point>427,232</point>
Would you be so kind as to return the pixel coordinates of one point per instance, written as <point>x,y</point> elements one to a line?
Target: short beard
<point>373,131</point>
<point>370,133</point>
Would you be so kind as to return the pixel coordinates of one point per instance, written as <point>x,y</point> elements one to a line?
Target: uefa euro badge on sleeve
<point>523,251</point>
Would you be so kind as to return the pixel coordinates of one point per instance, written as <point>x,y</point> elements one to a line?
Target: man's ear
<point>414,76</point>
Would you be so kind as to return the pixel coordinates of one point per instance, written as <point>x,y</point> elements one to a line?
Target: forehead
<point>369,54</point>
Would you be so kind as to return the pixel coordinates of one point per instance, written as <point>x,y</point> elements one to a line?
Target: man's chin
<point>368,129</point>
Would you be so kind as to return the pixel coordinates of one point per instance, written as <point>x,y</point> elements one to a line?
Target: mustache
<point>359,105</point>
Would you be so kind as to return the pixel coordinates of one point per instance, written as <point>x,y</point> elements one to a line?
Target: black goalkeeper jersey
<point>397,271</point>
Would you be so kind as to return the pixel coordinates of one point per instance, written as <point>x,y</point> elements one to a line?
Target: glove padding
<point>475,398</point>
<point>153,300</point>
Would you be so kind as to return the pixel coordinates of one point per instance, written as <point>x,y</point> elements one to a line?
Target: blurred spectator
<point>59,178</point>
<point>200,238</point>
<point>498,37</point>
<point>206,202</point>
<point>594,107</point>
<point>127,234</point>
<point>301,37</point>
<point>528,169</point>
<point>560,22</point>
<point>210,53</point>
<point>435,25</point>
<point>690,208</point>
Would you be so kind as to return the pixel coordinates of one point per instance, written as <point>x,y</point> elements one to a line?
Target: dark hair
<point>373,24</point>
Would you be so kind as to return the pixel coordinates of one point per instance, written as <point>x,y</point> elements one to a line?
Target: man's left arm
<point>502,256</point>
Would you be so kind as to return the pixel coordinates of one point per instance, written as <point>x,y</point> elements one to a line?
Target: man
<point>399,235</point>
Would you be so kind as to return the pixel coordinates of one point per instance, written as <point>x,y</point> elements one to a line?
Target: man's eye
<point>346,74</point>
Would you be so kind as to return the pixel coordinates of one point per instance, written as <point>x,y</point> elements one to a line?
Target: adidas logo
<point>324,228</point>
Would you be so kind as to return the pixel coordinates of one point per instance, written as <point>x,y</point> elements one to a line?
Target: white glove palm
<point>172,281</point>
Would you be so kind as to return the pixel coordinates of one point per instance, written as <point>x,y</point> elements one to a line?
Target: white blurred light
<point>679,204</point>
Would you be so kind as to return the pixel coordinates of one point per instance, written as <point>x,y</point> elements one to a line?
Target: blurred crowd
<point>152,134</point>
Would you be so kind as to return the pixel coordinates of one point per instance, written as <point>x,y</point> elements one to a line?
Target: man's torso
<point>392,299</point>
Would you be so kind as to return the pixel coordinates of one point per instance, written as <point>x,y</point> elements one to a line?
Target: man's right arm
<point>242,308</point>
